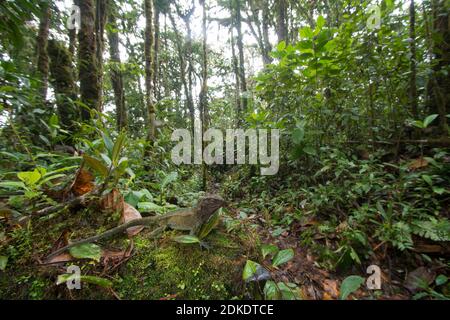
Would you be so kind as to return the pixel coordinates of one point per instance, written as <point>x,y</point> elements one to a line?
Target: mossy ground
<point>157,269</point>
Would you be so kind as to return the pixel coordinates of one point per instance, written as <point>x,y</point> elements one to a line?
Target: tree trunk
<point>204,114</point>
<point>240,45</point>
<point>100,21</point>
<point>42,54</point>
<point>87,64</point>
<point>156,56</point>
<point>116,70</point>
<point>73,36</point>
<point>237,89</point>
<point>441,80</point>
<point>148,48</point>
<point>178,43</point>
<point>62,79</point>
<point>412,79</point>
<point>265,27</point>
<point>281,20</point>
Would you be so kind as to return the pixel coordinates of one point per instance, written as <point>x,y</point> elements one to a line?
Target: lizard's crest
<point>209,204</point>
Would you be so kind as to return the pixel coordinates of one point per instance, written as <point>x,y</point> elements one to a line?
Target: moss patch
<point>181,271</point>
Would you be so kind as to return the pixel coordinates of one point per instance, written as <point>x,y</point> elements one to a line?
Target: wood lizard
<point>189,219</point>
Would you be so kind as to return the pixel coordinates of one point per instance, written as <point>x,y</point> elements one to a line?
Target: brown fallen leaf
<point>418,163</point>
<point>129,214</point>
<point>84,183</point>
<point>331,289</point>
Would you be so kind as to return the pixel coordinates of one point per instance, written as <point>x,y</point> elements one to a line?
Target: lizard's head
<point>209,204</point>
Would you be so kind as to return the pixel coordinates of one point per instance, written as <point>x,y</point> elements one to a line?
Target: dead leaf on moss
<point>129,214</point>
<point>84,183</point>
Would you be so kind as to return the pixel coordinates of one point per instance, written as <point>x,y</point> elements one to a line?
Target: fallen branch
<point>81,200</point>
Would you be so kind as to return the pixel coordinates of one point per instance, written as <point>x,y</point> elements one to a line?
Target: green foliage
<point>350,285</point>
<point>86,251</point>
<point>282,256</point>
<point>64,278</point>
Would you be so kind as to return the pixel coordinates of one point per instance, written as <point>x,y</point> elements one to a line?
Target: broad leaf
<point>96,164</point>
<point>268,249</point>
<point>3,262</point>
<point>29,177</point>
<point>86,251</point>
<point>186,239</point>
<point>282,257</point>
<point>249,270</point>
<point>350,285</point>
<point>429,120</point>
<point>207,227</point>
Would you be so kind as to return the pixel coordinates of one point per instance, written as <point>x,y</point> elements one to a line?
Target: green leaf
<point>297,135</point>
<point>63,278</point>
<point>29,177</point>
<point>12,184</point>
<point>309,150</point>
<point>96,164</point>
<point>271,290</point>
<point>429,120</point>
<point>171,177</point>
<point>108,142</point>
<point>441,279</point>
<point>149,207</point>
<point>249,269</point>
<point>86,251</point>
<point>186,239</point>
<point>117,148</point>
<point>281,46</point>
<point>289,291</point>
<point>320,23</point>
<point>96,280</point>
<point>268,249</point>
<point>306,33</point>
<point>427,179</point>
<point>438,190</point>
<point>207,227</point>
<point>350,285</point>
<point>282,257</point>
<point>3,262</point>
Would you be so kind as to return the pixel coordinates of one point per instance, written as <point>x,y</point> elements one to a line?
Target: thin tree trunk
<point>240,45</point>
<point>116,71</point>
<point>265,27</point>
<point>178,43</point>
<point>148,48</point>
<point>42,54</point>
<point>412,79</point>
<point>87,60</point>
<point>100,21</point>
<point>236,74</point>
<point>281,20</point>
<point>441,80</point>
<point>204,90</point>
<point>156,56</point>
